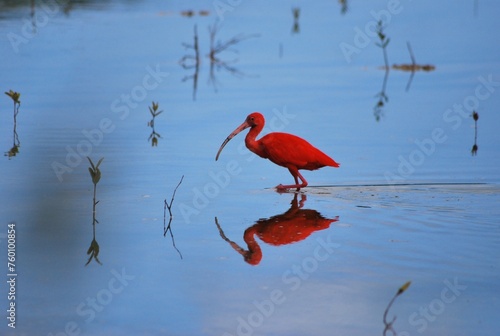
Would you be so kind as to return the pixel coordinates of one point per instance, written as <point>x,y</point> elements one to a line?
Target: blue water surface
<point>336,253</point>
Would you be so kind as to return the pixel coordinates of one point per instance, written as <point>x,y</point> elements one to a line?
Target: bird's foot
<point>285,188</point>
<point>281,188</point>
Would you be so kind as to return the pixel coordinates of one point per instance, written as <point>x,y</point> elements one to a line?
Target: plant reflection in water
<point>382,97</point>
<point>153,109</point>
<point>191,61</point>
<point>413,67</point>
<point>218,47</point>
<point>95,174</point>
<point>294,225</point>
<point>343,6</point>
<point>474,149</point>
<point>16,144</point>
<point>168,206</point>
<point>296,25</point>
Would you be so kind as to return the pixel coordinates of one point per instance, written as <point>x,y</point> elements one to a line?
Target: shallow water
<point>88,72</point>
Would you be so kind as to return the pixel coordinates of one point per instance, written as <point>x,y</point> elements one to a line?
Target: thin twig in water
<point>413,66</point>
<point>168,206</point>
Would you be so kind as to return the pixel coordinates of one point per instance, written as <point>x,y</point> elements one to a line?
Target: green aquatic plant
<point>93,251</point>
<point>15,97</point>
<point>388,325</point>
<point>95,174</point>
<point>153,109</point>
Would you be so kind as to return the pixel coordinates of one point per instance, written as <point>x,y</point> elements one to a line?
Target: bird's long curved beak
<point>230,136</point>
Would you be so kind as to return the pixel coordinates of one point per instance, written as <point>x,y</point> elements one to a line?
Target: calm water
<point>250,261</point>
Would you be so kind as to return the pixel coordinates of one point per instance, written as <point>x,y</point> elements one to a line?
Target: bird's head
<point>252,120</point>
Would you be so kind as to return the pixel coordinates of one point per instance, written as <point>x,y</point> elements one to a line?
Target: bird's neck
<point>254,253</point>
<point>251,142</point>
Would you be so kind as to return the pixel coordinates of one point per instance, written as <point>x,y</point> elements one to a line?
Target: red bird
<point>283,149</point>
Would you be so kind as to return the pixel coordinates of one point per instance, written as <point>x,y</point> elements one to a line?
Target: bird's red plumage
<point>287,149</point>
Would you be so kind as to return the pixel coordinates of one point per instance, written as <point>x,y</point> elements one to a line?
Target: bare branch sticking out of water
<point>388,325</point>
<point>168,206</point>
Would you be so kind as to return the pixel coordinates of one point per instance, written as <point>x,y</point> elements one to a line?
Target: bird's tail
<point>334,164</point>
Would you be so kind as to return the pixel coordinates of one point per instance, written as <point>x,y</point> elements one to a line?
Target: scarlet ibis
<point>283,149</point>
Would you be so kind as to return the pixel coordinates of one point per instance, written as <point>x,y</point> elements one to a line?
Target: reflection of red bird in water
<point>283,149</point>
<point>292,226</point>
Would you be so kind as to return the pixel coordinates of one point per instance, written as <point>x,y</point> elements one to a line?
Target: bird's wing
<point>287,149</point>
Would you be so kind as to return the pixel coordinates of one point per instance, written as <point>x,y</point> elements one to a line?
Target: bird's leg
<point>303,198</point>
<point>296,175</point>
